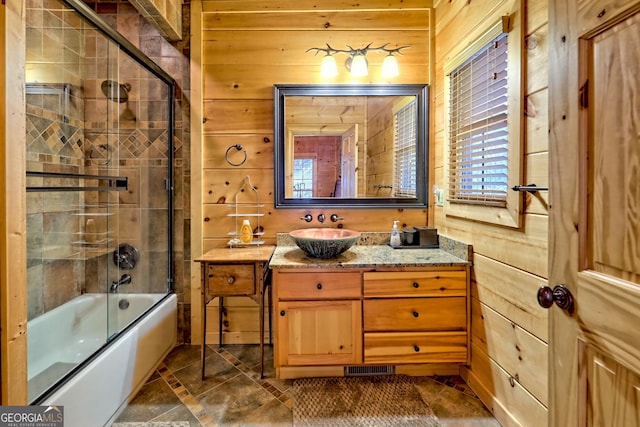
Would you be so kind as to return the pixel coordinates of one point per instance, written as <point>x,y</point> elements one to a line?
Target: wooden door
<point>594,246</point>
<point>348,169</point>
<point>319,332</point>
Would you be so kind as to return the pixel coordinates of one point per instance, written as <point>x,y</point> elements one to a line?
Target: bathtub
<point>73,336</point>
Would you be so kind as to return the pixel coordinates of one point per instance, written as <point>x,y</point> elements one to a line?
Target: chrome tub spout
<point>125,279</point>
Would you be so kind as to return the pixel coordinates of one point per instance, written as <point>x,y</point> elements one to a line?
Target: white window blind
<point>303,178</point>
<point>478,127</point>
<point>405,125</point>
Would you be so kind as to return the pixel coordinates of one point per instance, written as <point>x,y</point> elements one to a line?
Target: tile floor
<point>234,395</point>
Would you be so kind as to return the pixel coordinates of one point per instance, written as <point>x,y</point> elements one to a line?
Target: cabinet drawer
<point>318,285</point>
<point>231,279</point>
<point>415,314</point>
<point>415,283</point>
<point>425,347</point>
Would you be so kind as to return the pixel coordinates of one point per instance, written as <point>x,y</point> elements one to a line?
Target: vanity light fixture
<point>357,62</point>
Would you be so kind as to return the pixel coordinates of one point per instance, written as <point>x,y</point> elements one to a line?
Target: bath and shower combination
<point>101,311</point>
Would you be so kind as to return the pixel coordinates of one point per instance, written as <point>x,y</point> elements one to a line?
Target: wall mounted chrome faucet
<point>321,218</point>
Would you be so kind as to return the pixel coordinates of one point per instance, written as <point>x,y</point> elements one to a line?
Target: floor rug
<point>359,401</point>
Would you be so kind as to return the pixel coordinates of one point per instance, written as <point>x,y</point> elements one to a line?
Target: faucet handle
<point>307,218</point>
<point>336,218</point>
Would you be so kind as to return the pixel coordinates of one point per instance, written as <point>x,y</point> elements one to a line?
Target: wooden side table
<point>235,272</point>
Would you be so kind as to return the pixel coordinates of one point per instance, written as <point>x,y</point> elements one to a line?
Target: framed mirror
<point>351,145</point>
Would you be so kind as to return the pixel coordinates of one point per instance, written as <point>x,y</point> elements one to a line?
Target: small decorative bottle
<point>246,232</point>
<point>395,235</point>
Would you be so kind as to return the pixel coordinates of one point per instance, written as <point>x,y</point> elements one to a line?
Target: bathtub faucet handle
<point>125,279</point>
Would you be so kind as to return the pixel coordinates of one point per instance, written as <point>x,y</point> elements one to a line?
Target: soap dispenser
<point>246,232</point>
<point>395,235</point>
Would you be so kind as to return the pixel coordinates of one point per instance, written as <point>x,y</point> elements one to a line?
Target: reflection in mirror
<point>351,145</point>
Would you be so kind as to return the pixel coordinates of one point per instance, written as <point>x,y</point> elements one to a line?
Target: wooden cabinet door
<point>594,241</point>
<point>319,332</point>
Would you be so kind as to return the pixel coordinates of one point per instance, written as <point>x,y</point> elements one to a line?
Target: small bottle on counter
<point>395,240</point>
<point>246,232</point>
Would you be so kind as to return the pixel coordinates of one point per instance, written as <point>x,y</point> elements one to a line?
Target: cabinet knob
<point>416,285</point>
<point>282,313</point>
<point>416,348</point>
<point>319,286</point>
<point>230,280</point>
<point>416,314</point>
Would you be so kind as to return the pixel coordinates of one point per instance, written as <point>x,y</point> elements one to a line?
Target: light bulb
<point>359,66</point>
<point>328,67</point>
<point>390,66</point>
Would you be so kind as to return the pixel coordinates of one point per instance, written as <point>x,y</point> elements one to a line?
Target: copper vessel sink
<point>324,242</point>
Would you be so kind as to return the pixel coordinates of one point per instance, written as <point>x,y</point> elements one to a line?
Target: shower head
<point>115,91</point>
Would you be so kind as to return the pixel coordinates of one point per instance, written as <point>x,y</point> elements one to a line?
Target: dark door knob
<point>559,294</point>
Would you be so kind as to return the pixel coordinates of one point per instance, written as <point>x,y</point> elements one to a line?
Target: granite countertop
<point>372,250</point>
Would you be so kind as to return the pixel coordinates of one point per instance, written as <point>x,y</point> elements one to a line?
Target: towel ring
<point>237,147</point>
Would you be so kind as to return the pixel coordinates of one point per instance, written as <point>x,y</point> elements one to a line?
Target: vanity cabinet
<point>411,317</point>
<point>415,316</point>
<point>318,318</point>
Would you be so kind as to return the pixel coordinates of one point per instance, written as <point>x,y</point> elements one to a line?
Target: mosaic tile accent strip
<point>192,404</point>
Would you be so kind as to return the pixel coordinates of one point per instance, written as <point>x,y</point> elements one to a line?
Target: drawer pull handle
<point>282,313</point>
<point>230,280</point>
<point>416,314</point>
<point>416,349</point>
<point>319,286</point>
<point>416,285</point>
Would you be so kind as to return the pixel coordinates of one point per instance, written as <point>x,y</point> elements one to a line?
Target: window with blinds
<point>405,136</point>
<point>478,132</point>
<point>303,178</point>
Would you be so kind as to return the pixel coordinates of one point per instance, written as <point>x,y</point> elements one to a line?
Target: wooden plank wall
<point>244,48</point>
<point>509,330</point>
<point>13,247</point>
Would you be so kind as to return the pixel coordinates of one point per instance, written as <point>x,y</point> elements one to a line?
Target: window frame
<point>511,214</point>
<point>314,172</point>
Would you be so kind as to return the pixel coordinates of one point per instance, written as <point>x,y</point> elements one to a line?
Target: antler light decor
<point>357,63</point>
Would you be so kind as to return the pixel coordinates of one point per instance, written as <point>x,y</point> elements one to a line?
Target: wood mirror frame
<point>281,130</point>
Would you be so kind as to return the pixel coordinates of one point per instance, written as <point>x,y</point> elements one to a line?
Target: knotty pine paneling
<point>537,48</point>
<point>537,172</point>
<point>509,265</point>
<point>518,352</point>
<point>243,82</point>
<point>259,150</point>
<point>220,187</point>
<point>257,6</point>
<point>237,116</point>
<point>537,122</point>
<point>511,403</point>
<point>403,20</point>
<point>216,224</point>
<point>511,292</point>
<point>277,47</point>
